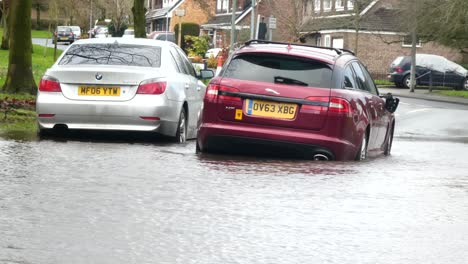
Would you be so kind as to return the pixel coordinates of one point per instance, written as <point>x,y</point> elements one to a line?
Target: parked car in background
<point>122,84</point>
<point>294,99</point>
<point>129,33</point>
<point>102,32</point>
<point>429,68</point>
<point>162,35</point>
<point>76,31</point>
<point>63,34</point>
<point>212,53</point>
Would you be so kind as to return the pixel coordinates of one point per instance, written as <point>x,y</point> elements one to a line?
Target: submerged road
<point>93,199</point>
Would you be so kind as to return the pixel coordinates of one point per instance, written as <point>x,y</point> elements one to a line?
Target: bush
<point>196,46</point>
<point>212,62</point>
<point>112,30</point>
<point>188,29</point>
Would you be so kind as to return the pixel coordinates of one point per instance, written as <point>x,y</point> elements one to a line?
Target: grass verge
<point>35,33</point>
<point>42,59</point>
<point>453,93</point>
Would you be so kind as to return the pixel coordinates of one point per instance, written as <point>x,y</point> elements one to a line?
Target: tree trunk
<point>20,76</point>
<point>6,29</point>
<point>139,11</point>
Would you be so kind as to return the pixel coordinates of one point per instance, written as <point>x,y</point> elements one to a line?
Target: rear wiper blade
<point>280,79</point>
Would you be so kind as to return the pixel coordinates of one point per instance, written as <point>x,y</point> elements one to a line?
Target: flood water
<point>101,202</point>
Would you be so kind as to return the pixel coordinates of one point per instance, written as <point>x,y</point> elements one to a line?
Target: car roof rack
<point>261,41</point>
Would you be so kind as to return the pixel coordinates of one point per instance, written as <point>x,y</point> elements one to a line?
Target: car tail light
<point>339,105</point>
<point>152,86</point>
<point>323,107</point>
<point>398,69</point>
<point>213,93</point>
<point>49,84</point>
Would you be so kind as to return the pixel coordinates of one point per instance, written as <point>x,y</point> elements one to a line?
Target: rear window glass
<point>64,29</point>
<point>113,54</point>
<point>273,68</point>
<point>397,61</point>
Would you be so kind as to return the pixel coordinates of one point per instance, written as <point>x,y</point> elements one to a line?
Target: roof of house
<point>382,19</point>
<point>222,20</point>
<point>162,12</point>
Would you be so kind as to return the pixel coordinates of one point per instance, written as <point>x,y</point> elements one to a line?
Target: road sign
<point>180,12</point>
<point>272,22</point>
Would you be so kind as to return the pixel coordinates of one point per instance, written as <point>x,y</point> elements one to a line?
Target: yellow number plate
<point>270,109</point>
<point>63,38</point>
<point>98,91</point>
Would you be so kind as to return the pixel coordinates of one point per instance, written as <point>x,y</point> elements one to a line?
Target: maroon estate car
<point>315,102</point>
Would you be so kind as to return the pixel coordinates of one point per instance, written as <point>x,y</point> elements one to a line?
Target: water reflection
<point>87,199</point>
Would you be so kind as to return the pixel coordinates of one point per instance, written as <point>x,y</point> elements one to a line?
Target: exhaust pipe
<point>321,157</point>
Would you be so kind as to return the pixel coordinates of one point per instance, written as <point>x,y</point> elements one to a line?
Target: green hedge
<point>188,29</point>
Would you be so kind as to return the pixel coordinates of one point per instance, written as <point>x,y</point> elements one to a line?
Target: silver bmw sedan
<point>122,84</point>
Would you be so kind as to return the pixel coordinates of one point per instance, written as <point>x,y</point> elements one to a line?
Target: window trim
<point>341,7</point>
<point>406,45</point>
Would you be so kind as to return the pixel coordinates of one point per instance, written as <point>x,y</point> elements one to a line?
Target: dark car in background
<point>64,34</point>
<point>429,69</point>
<point>297,100</point>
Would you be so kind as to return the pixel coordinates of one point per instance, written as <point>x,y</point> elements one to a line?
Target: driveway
<point>48,43</point>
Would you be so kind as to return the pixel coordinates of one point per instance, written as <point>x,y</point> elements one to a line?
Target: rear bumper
<point>65,39</point>
<point>395,77</point>
<point>254,139</point>
<point>108,115</point>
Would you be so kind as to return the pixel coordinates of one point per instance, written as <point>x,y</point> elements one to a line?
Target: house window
<point>222,6</point>
<point>350,4</point>
<point>338,43</point>
<point>407,42</point>
<point>339,5</point>
<point>317,5</point>
<point>326,41</point>
<point>327,4</point>
<point>309,5</point>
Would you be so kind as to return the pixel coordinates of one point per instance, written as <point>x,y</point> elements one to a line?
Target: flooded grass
<point>18,124</point>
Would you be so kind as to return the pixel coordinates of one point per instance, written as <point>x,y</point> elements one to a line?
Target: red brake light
<point>152,87</point>
<point>317,107</point>
<point>398,69</point>
<point>49,84</point>
<point>339,105</point>
<point>213,90</point>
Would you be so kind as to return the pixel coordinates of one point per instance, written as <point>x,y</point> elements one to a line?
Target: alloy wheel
<point>182,128</point>
<point>363,149</point>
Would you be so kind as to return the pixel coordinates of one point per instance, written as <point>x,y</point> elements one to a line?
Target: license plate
<point>98,91</point>
<point>63,38</point>
<point>270,109</point>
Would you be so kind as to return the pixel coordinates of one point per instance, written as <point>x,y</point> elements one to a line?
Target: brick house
<point>332,23</point>
<point>219,25</point>
<point>161,13</point>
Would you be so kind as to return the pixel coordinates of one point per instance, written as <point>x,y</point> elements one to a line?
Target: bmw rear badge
<point>98,76</point>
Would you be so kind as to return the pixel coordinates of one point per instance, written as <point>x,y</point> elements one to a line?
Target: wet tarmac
<point>93,200</point>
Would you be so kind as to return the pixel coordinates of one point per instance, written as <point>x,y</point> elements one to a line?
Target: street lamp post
<point>233,25</point>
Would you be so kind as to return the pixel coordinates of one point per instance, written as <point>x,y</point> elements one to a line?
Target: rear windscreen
<point>397,61</point>
<point>274,68</point>
<point>112,54</point>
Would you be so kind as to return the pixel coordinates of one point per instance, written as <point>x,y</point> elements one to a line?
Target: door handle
<point>187,86</point>
<point>198,88</point>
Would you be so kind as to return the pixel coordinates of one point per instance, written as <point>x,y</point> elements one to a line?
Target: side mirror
<point>206,74</point>
<point>391,103</point>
